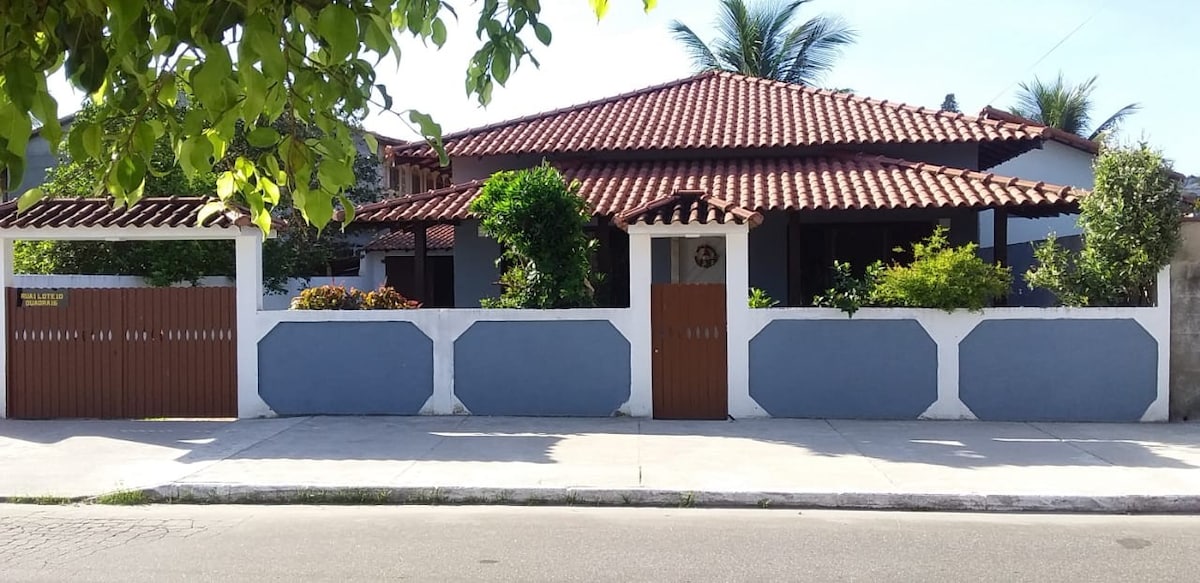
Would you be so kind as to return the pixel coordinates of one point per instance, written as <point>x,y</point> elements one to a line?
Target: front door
<point>689,364</point>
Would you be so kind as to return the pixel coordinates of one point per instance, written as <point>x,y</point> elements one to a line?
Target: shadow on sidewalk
<point>592,441</point>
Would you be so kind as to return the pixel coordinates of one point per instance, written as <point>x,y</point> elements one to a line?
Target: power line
<point>1047,54</point>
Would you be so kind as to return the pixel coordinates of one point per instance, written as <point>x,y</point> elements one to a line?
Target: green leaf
<point>543,33</point>
<point>337,25</point>
<point>255,85</point>
<point>270,190</point>
<point>500,62</point>
<point>17,128</point>
<point>131,173</point>
<point>93,140</point>
<point>29,198</point>
<point>600,7</point>
<point>439,32</point>
<point>334,175</point>
<point>210,209</point>
<point>20,82</point>
<point>372,143</point>
<point>226,185</point>
<point>263,137</point>
<point>195,155</point>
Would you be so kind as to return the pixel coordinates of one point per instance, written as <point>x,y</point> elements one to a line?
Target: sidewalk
<point>803,463</point>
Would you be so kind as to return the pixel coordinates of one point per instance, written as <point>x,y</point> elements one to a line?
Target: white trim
<point>685,230</point>
<point>737,286</point>
<point>124,233</point>
<point>641,359</point>
<point>249,279</point>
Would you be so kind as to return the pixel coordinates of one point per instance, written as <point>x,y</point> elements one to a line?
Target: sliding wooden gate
<point>122,353</point>
<point>690,364</point>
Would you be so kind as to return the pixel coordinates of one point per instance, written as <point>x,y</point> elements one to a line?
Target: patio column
<point>6,281</point>
<point>420,252</point>
<point>737,287</point>
<point>1000,243</point>
<point>641,403</point>
<point>249,281</point>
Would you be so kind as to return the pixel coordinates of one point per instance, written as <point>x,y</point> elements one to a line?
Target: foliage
<point>759,299</point>
<point>327,297</point>
<point>850,292</point>
<point>944,277</point>
<point>386,298</point>
<point>299,251</point>
<point>1130,223</point>
<point>950,103</point>
<point>762,40</point>
<point>1059,104</point>
<point>308,61</point>
<point>539,220</point>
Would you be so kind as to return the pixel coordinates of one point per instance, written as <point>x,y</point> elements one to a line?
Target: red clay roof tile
<point>718,110</point>
<point>688,207</point>
<point>172,212</point>
<point>829,182</point>
<point>437,238</point>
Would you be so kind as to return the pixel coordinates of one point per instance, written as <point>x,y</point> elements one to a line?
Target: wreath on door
<point>706,256</point>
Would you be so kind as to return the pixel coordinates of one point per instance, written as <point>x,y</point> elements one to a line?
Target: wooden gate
<point>123,353</point>
<point>690,364</point>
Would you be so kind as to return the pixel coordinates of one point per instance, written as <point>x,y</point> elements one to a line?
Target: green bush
<point>338,297</point>
<point>539,220</point>
<point>850,292</point>
<point>759,299</point>
<point>1130,223</point>
<point>943,277</point>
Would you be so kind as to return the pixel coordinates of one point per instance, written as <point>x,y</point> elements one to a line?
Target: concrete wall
<point>1061,364</point>
<point>448,361</point>
<point>1185,326</point>
<point>475,270</point>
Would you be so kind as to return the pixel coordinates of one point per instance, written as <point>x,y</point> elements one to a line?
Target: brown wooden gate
<point>690,364</point>
<point>124,353</point>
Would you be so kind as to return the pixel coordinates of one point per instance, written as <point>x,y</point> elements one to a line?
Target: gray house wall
<point>475,270</point>
<point>769,255</point>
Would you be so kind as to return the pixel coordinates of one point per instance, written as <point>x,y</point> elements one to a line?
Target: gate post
<point>249,281</point>
<point>641,402</point>
<point>6,280</point>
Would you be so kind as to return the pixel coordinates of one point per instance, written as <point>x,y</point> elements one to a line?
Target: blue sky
<point>912,51</point>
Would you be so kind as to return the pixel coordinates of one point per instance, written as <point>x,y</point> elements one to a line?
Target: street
<point>308,543</point>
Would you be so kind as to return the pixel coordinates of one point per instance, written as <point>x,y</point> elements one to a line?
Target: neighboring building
<point>827,176</point>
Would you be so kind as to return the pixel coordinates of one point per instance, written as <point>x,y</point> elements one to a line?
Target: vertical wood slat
<point>690,364</point>
<point>120,353</point>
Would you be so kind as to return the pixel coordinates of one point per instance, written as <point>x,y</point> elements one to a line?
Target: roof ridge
<point>419,196</point>
<point>1059,135</point>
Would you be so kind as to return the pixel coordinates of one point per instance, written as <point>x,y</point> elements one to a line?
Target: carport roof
<point>164,212</point>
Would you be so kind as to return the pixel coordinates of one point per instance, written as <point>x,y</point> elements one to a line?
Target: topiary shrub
<point>539,220</point>
<point>943,277</point>
<point>1130,223</point>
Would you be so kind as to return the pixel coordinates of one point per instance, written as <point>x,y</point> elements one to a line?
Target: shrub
<point>943,277</point>
<point>759,299</point>
<point>337,297</point>
<point>849,292</point>
<point>386,298</point>
<point>539,220</point>
<point>1130,222</point>
<point>328,297</point>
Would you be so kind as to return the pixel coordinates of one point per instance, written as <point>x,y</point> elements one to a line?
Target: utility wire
<point>1047,54</point>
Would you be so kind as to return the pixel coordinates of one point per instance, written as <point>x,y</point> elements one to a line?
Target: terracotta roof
<point>829,182</point>
<point>687,207</point>
<point>437,238</point>
<point>718,110</point>
<point>1063,137</point>
<point>99,212</point>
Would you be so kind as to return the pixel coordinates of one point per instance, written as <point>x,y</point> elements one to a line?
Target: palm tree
<point>1067,107</point>
<point>763,41</point>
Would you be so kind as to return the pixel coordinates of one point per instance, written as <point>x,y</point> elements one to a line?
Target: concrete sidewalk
<point>805,463</point>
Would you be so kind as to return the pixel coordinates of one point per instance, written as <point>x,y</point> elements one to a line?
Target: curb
<point>242,494</point>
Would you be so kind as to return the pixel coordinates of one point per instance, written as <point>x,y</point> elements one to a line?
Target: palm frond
<point>1114,120</point>
<point>702,57</point>
<point>813,48</point>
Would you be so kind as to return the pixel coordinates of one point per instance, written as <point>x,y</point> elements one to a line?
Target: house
<point>833,176</point>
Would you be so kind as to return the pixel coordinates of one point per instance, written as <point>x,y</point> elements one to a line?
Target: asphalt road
<point>281,543</point>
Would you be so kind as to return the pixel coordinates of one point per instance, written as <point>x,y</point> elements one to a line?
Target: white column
<point>6,280</point>
<point>641,399</point>
<point>737,286</point>
<point>249,278</point>
<point>1158,324</point>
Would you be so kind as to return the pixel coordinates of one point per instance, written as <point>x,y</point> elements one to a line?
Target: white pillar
<point>641,398</point>
<point>737,314</point>
<point>6,280</point>
<point>249,278</point>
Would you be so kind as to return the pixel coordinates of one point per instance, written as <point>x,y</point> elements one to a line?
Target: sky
<point>913,51</point>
